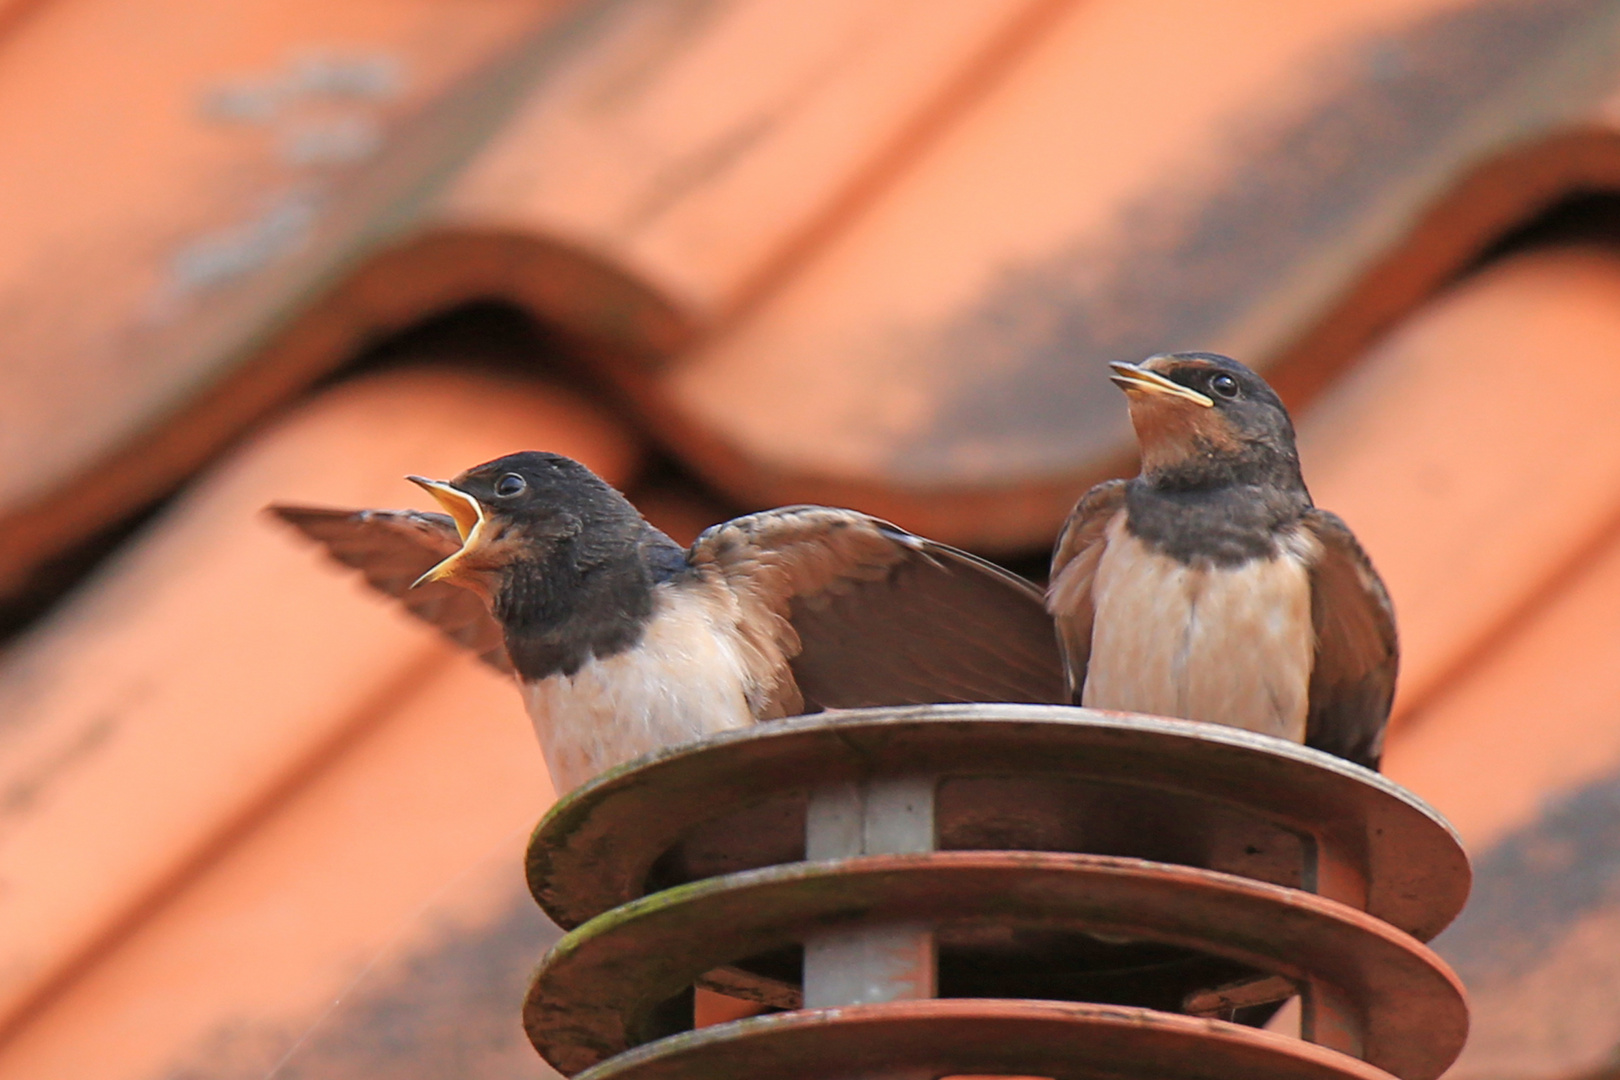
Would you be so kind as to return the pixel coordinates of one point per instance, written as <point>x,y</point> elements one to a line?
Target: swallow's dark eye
<point>509,485</point>
<point>1224,385</point>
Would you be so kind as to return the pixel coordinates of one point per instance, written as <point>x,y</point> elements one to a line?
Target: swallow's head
<point>1202,419</point>
<point>518,513</point>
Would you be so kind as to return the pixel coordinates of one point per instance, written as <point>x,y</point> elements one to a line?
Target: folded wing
<point>1357,654</point>
<point>1074,566</point>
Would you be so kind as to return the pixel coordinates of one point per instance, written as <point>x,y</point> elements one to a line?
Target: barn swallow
<point>624,642</point>
<point>1209,587</point>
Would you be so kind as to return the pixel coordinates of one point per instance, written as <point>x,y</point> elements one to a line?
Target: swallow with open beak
<point>1209,587</point>
<point>624,642</point>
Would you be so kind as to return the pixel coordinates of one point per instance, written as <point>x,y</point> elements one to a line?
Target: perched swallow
<point>1209,587</point>
<point>625,642</point>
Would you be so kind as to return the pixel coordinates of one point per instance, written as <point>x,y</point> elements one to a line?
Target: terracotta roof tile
<point>1476,452</point>
<point>1523,754</point>
<point>220,656</point>
<point>897,246</point>
<point>180,177</point>
<point>1124,190</point>
<point>374,924</point>
<point>1473,454</point>
<point>666,162</point>
<point>694,153</point>
<point>949,215</point>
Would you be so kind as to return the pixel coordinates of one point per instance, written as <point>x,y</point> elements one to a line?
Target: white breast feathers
<point>1228,646</point>
<point>685,679</point>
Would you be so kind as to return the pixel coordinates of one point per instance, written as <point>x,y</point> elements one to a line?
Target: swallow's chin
<point>1168,432</point>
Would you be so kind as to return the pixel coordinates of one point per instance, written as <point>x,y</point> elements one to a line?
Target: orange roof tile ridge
<point>225,834</point>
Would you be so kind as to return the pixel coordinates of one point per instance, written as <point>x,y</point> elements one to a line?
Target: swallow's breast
<point>1225,645</point>
<point>685,679</point>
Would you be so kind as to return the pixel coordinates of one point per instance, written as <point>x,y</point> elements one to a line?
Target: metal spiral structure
<point>995,889</point>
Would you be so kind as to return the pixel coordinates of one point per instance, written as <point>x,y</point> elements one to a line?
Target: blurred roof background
<point>731,254</point>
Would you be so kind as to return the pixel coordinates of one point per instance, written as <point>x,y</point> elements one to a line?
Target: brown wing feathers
<point>763,560</point>
<point>1074,564</point>
<point>868,614</point>
<point>1357,654</point>
<point>842,610</point>
<point>834,609</point>
<point>1352,679</point>
<point>392,548</point>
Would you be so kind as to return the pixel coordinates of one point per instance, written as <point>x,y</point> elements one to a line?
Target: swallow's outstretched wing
<point>392,549</point>
<point>869,614</point>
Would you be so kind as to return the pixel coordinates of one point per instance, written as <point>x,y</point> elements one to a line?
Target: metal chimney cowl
<point>1037,891</point>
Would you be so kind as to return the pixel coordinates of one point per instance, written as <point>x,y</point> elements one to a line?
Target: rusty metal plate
<point>1000,914</point>
<point>1012,776</point>
<point>941,1038</point>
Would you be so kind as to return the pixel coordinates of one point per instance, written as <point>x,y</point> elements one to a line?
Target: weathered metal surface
<point>1006,922</point>
<point>882,960</point>
<point>1030,777</point>
<point>943,1038</point>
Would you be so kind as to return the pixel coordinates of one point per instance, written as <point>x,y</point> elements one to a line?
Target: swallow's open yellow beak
<point>468,516</point>
<point>1136,379</point>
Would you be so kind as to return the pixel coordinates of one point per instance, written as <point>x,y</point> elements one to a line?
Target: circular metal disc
<point>591,993</point>
<point>1024,1038</point>
<point>1012,776</point>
